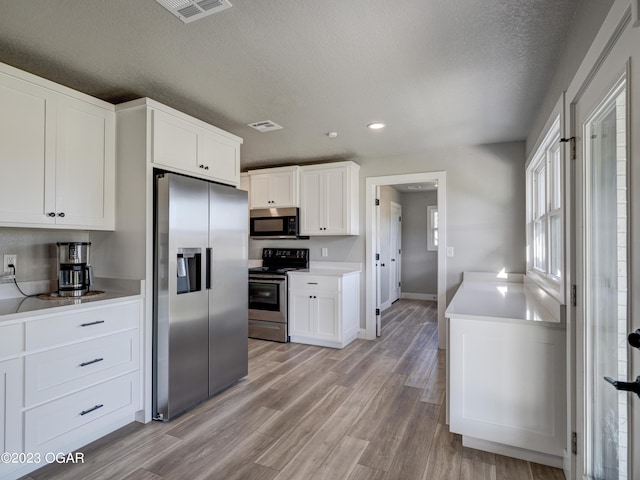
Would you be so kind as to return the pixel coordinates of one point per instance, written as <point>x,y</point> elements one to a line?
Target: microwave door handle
<point>208,268</point>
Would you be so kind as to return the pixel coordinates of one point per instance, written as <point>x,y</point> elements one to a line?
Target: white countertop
<point>514,301</point>
<point>17,308</point>
<point>337,269</point>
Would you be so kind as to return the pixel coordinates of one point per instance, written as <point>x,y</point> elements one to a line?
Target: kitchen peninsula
<point>506,367</point>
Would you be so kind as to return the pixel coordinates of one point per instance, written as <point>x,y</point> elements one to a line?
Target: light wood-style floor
<point>372,411</point>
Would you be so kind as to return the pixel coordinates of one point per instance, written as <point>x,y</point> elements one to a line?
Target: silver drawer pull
<point>96,360</point>
<point>84,412</point>
<point>97,322</point>
<point>312,283</point>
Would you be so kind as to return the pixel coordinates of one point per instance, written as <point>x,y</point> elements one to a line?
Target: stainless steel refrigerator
<point>200,291</point>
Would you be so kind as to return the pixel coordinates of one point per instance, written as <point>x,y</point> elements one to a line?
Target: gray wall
<point>419,265</point>
<point>485,204</point>
<point>36,250</point>
<point>584,27</point>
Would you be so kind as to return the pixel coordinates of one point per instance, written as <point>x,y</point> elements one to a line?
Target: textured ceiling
<point>437,72</point>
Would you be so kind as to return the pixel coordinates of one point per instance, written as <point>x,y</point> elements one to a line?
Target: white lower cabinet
<point>72,421</point>
<point>10,412</point>
<point>507,384</point>
<point>324,309</point>
<point>75,378</point>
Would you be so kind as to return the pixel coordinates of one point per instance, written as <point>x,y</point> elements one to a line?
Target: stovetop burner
<point>271,269</point>
<point>281,261</point>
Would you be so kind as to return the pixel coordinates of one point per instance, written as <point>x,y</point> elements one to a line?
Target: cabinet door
<point>27,152</point>
<point>311,203</point>
<point>300,313</point>
<point>10,405</point>
<point>327,315</point>
<point>273,190</point>
<point>281,190</point>
<point>85,165</point>
<point>336,201</point>
<point>220,158</point>
<point>175,142</point>
<point>260,191</point>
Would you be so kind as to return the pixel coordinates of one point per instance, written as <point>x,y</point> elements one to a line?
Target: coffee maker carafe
<point>75,274</point>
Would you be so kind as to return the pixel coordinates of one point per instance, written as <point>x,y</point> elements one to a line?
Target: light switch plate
<point>450,252</point>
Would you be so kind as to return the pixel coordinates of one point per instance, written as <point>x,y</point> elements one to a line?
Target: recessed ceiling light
<point>376,126</point>
<point>332,134</point>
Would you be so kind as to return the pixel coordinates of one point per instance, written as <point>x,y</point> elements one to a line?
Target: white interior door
<point>607,139</point>
<point>395,245</point>
<point>377,265</point>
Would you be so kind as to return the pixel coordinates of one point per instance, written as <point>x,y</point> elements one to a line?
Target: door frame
<point>621,14</point>
<point>371,246</point>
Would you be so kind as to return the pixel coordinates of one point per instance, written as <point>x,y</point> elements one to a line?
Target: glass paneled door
<point>605,283</point>
<point>605,244</point>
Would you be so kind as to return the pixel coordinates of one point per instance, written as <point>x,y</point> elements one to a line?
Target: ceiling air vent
<point>265,126</point>
<point>191,10</point>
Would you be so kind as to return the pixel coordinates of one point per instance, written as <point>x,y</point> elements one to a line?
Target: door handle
<point>625,386</point>
<point>208,267</point>
<point>634,339</point>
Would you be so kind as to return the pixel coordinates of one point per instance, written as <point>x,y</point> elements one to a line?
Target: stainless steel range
<point>268,292</point>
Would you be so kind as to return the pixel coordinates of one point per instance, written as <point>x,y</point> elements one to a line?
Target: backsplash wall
<point>36,250</point>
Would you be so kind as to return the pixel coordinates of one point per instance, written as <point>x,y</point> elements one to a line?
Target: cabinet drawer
<point>314,282</point>
<point>55,372</point>
<point>67,421</point>
<point>11,339</point>
<point>73,327</point>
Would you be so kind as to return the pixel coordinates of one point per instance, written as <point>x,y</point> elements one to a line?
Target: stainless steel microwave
<point>274,223</point>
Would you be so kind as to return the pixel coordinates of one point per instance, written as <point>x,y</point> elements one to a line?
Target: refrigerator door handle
<point>208,267</point>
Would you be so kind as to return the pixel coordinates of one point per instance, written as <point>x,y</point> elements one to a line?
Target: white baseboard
<point>420,296</point>
<point>385,305</point>
<point>515,452</point>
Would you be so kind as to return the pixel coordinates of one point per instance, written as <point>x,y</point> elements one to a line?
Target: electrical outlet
<point>10,259</point>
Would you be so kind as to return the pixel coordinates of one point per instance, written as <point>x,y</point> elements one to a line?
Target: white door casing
<point>372,223</point>
<point>607,137</point>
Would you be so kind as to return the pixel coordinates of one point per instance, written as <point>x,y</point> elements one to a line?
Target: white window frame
<point>545,205</point>
<point>432,228</point>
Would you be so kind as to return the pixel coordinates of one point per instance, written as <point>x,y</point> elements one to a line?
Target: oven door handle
<point>266,280</point>
<point>208,266</point>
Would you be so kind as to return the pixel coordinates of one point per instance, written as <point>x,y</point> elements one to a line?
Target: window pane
<point>539,242</point>
<point>541,199</point>
<point>556,179</point>
<point>555,246</point>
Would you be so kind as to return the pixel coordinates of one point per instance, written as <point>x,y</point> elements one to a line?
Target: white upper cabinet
<point>274,187</point>
<point>329,199</point>
<point>190,146</point>
<point>57,147</point>
<point>85,169</point>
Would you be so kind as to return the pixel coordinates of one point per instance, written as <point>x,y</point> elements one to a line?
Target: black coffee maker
<point>75,274</point>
